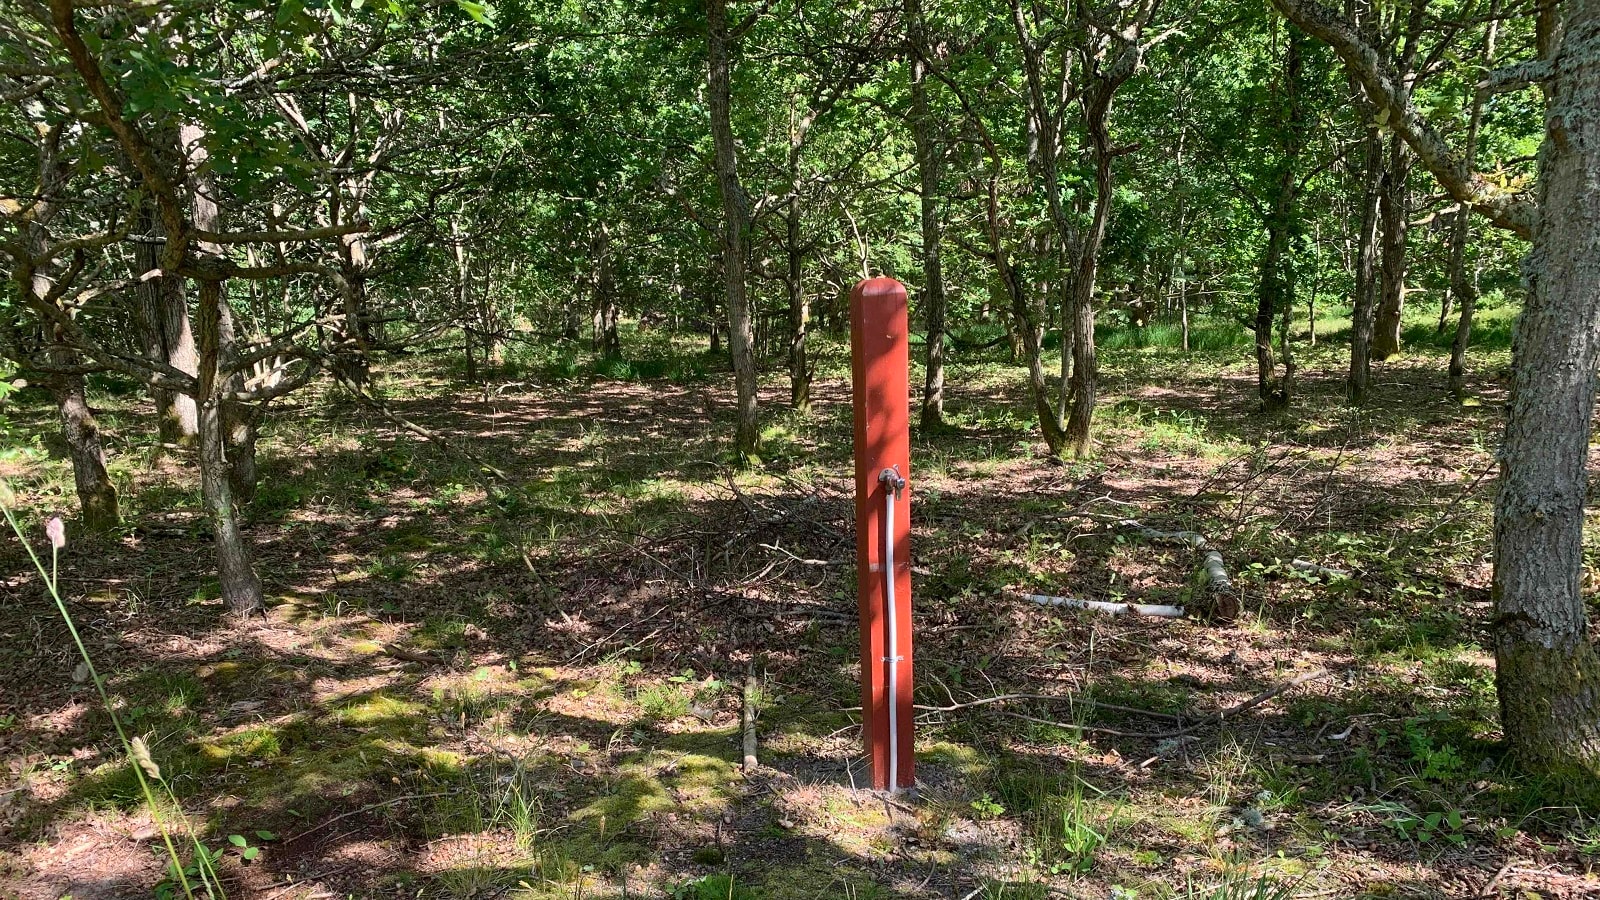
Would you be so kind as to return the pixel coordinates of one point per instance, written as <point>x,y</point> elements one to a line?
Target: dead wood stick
<point>1116,609</point>
<point>751,695</point>
<point>1211,561</point>
<point>802,560</point>
<point>368,808</point>
<point>1317,569</point>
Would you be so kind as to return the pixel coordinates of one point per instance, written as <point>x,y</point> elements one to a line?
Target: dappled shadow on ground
<point>472,689</point>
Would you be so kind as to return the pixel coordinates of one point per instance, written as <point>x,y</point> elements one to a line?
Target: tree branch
<point>1393,99</point>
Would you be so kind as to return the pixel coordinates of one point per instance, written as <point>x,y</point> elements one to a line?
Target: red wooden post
<point>880,360</point>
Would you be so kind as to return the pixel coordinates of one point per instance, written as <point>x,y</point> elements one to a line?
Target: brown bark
<point>241,589</point>
<point>735,227</point>
<point>1392,211</point>
<point>162,314</point>
<point>97,496</point>
<point>1366,280</point>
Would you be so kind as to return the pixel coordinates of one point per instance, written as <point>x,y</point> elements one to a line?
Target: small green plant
<point>985,807</point>
<point>248,851</point>
<point>711,887</point>
<point>1065,837</point>
<point>179,878</point>
<point>1423,829</point>
<point>1435,761</point>
<point>662,702</point>
<point>1239,885</point>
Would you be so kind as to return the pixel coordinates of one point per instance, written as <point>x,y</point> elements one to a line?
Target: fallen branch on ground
<point>1116,609</point>
<point>1217,583</point>
<point>1321,571</point>
<point>1210,558</point>
<point>368,808</point>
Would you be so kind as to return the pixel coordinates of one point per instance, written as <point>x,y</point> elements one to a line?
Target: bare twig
<point>1049,698</point>
<point>1214,719</point>
<point>365,809</point>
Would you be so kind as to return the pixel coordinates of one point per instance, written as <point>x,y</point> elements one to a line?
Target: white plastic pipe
<point>893,484</point>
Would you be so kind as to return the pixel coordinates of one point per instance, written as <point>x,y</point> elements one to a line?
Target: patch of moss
<point>961,757</point>
<point>260,742</point>
<point>818,878</point>
<point>378,708</point>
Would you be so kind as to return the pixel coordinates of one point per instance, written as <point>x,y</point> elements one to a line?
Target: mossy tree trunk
<point>1548,674</point>
<point>241,589</point>
<point>97,496</point>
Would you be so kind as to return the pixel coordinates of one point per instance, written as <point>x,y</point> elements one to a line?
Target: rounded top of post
<point>878,287</point>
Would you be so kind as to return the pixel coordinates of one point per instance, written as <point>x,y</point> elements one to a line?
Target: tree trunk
<point>1547,672</point>
<point>97,496</point>
<point>1275,279</point>
<point>1025,313</point>
<point>463,291</point>
<point>934,301</point>
<point>1463,286</point>
<point>605,339</point>
<point>735,228</point>
<point>799,301</point>
<point>1068,342</point>
<point>241,422</point>
<point>571,315</point>
<point>1366,271</point>
<point>241,589</point>
<point>163,318</point>
<point>1392,208</point>
<point>1085,366</point>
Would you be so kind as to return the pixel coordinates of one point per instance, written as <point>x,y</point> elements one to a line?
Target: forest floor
<point>536,692</point>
